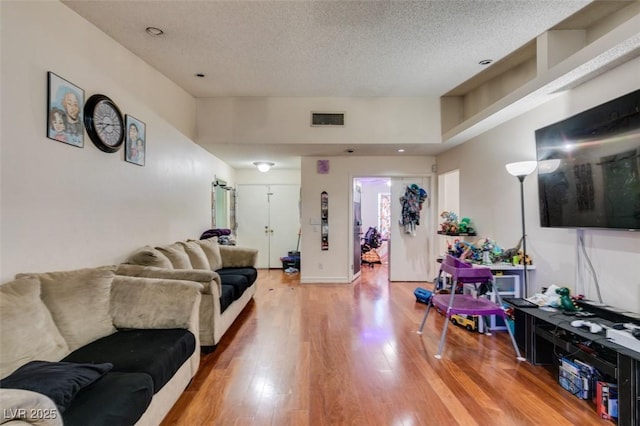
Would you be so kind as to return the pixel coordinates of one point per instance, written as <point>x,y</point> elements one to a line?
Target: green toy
<point>465,227</point>
<point>566,302</point>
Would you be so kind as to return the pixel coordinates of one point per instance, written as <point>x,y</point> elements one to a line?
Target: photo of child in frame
<point>135,145</point>
<point>64,111</point>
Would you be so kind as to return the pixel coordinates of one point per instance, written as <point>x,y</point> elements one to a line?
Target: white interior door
<point>269,220</point>
<point>252,212</point>
<point>284,221</point>
<point>409,254</point>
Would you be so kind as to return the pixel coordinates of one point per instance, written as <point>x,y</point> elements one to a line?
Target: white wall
<point>64,207</point>
<point>367,119</point>
<point>449,192</point>
<point>448,200</point>
<point>272,177</point>
<point>333,265</point>
<point>491,197</point>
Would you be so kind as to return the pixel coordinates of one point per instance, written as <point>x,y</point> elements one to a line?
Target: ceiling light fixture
<point>201,75</point>
<point>153,31</point>
<point>263,166</point>
<point>485,61</point>
<point>401,150</point>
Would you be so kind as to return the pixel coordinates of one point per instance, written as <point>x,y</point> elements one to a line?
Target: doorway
<point>371,222</point>
<point>409,256</point>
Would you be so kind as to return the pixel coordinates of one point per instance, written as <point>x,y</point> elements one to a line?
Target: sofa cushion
<point>238,282</point>
<point>212,250</point>
<point>226,297</point>
<point>32,408</point>
<point>238,257</point>
<point>157,352</point>
<point>27,330</point>
<point>249,272</point>
<point>197,256</point>
<point>60,381</point>
<point>148,256</point>
<point>176,255</point>
<point>115,399</point>
<point>204,277</point>
<point>79,303</point>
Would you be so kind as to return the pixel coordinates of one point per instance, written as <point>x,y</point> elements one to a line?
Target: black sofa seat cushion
<point>249,272</point>
<point>238,282</point>
<point>114,399</point>
<point>60,381</point>
<point>157,352</point>
<point>227,297</point>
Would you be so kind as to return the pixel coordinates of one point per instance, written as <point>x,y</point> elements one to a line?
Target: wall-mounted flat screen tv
<point>589,167</point>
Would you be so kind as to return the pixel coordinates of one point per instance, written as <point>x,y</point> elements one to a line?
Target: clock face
<point>108,123</point>
<point>104,123</point>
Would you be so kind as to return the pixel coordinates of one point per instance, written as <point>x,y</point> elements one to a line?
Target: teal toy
<point>566,302</point>
<point>465,227</point>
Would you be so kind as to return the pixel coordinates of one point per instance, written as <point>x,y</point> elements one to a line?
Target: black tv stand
<point>542,335</point>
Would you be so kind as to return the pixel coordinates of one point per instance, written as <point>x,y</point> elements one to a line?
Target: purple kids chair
<point>465,304</point>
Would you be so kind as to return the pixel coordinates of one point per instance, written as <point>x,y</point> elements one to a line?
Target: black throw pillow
<point>60,381</point>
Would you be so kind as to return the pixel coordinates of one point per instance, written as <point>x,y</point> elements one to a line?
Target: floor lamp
<point>521,170</point>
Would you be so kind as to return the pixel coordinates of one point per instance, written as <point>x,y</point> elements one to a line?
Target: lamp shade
<point>521,168</point>
<point>263,166</point>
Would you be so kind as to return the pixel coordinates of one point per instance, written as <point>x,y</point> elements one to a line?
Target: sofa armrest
<point>238,257</point>
<point>23,407</point>
<point>155,303</point>
<point>203,276</point>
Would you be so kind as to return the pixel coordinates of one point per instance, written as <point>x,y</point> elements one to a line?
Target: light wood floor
<point>349,355</point>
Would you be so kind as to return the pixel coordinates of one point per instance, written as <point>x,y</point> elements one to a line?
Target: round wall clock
<point>104,123</point>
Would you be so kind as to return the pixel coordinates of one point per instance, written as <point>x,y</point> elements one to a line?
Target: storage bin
<point>290,262</point>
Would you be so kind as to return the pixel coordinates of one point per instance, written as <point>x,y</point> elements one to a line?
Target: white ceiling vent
<point>327,118</point>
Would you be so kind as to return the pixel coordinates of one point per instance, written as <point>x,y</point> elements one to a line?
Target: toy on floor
<point>470,322</point>
<point>422,295</point>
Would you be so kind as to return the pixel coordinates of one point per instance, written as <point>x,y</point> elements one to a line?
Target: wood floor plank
<point>349,355</point>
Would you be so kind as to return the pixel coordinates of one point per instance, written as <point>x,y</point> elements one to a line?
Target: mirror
<point>220,204</point>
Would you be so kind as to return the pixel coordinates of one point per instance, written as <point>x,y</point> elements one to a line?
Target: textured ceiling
<point>323,48</point>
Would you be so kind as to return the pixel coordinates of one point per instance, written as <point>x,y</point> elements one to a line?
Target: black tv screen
<point>589,167</point>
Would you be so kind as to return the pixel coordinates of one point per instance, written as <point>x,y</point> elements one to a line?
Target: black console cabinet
<point>542,335</point>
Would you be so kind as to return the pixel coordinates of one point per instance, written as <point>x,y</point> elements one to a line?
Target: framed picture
<point>136,140</point>
<point>323,167</point>
<point>65,102</point>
